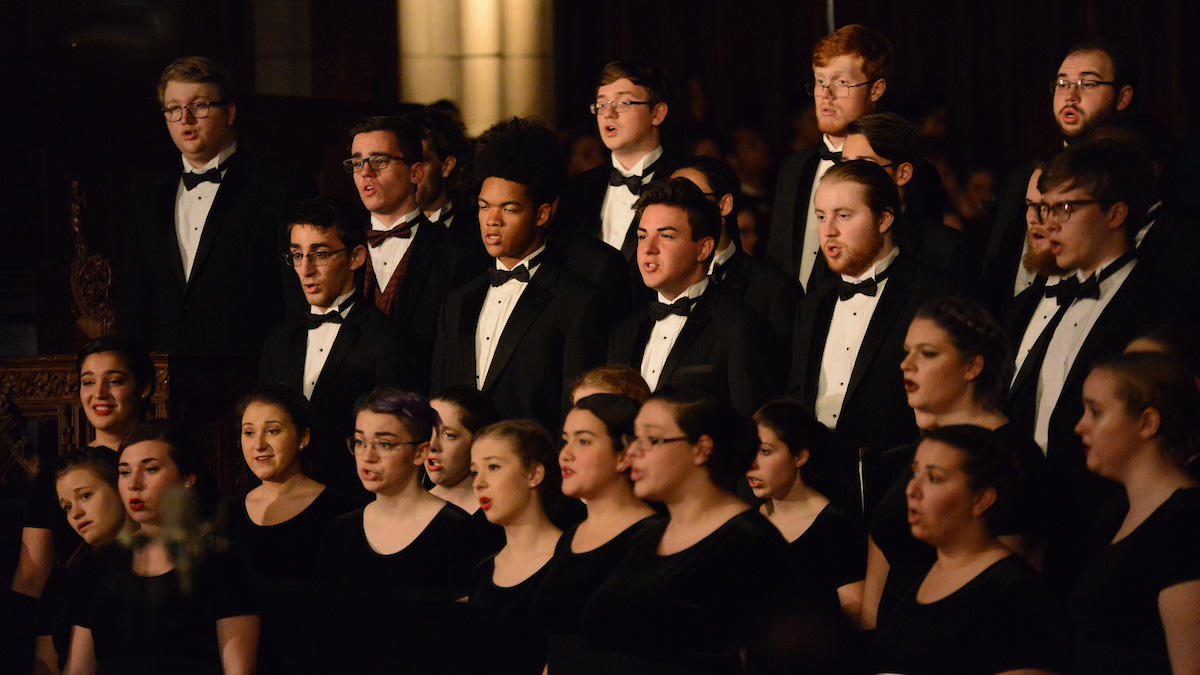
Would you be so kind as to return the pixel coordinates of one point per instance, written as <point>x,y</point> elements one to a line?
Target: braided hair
<point>975,333</point>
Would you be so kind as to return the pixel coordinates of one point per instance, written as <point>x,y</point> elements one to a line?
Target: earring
<point>621,466</point>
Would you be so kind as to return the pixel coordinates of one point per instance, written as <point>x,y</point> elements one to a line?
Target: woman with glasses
<point>594,470</point>
<point>517,481</point>
<point>407,550</point>
<point>712,579</point>
<point>279,522</point>
<point>1137,607</point>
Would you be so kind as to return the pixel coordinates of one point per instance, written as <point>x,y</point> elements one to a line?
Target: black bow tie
<point>191,179</point>
<point>444,216</point>
<point>827,154</point>
<point>318,320</point>
<point>720,272</point>
<point>1071,288</point>
<point>634,183</point>
<point>376,237</point>
<point>870,287</point>
<point>498,277</point>
<point>661,310</point>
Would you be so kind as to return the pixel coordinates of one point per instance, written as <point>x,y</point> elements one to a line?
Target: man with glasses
<point>851,68</point>
<point>1094,197</point>
<point>632,100</point>
<point>343,347</point>
<point>409,267</point>
<point>201,271</point>
<point>1093,84</point>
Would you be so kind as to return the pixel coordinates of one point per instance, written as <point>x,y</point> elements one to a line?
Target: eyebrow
<point>144,461</point>
<point>1086,72</point>
<point>619,93</point>
<point>378,433</point>
<point>510,202</point>
<point>319,244</point>
<point>105,372</point>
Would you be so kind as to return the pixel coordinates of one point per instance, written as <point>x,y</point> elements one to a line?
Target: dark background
<point>77,96</point>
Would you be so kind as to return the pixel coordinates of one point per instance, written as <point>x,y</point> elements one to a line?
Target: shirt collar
<point>212,163</point>
<point>524,261</point>
<point>829,144</point>
<point>340,303</point>
<point>694,291</point>
<point>876,269</point>
<point>377,224</point>
<point>722,257</point>
<point>639,168</point>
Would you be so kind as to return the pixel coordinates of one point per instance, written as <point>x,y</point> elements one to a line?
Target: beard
<point>1089,124</point>
<point>1040,262</point>
<point>859,255</point>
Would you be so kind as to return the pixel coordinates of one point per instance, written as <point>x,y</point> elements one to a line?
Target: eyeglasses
<point>617,106</point>
<point>645,443</point>
<point>1062,84</point>
<point>1061,212</point>
<point>198,110</point>
<point>384,449</point>
<point>318,258</point>
<point>838,90</point>
<point>377,162</point>
<point>1034,209</point>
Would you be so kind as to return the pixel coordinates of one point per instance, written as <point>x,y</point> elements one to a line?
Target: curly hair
<point>525,151</point>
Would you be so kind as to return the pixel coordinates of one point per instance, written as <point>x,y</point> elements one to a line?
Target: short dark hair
<point>798,429</point>
<point>532,445</point>
<point>182,449</point>
<point>1160,381</point>
<point>102,462</point>
<point>988,464</point>
<point>288,399</point>
<point>137,361</point>
<point>1125,69</point>
<point>1109,172</point>
<point>198,69</point>
<point>411,409</point>
<point>703,216</point>
<point>407,135</point>
<point>615,412</point>
<point>869,44</point>
<point>700,412</point>
<point>475,408</point>
<point>645,74</point>
<point>1177,338</point>
<point>447,138</point>
<point>326,213</point>
<point>525,151</point>
<point>891,136</point>
<point>717,173</point>
<point>974,332</point>
<point>879,191</point>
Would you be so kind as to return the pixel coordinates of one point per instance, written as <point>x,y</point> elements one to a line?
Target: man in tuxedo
<point>523,330</point>
<point>410,267</point>
<point>851,68</point>
<point>850,330</point>
<point>201,238</point>
<point>344,346</point>
<point>1093,84</point>
<point>1094,199</point>
<point>764,289</point>
<point>632,100</point>
<point>890,141</point>
<point>692,333</point>
<point>444,151</point>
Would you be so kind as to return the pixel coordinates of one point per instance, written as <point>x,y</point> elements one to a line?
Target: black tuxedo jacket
<point>600,264</point>
<point>1002,257</point>
<point>556,332</point>
<point>875,415</point>
<point>371,350</point>
<point>1093,506</point>
<point>724,346</point>
<point>581,201</point>
<point>789,217</point>
<point>236,289</point>
<point>943,247</point>
<point>767,291</point>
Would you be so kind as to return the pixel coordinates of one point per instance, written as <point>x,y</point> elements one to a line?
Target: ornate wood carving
<point>91,276</point>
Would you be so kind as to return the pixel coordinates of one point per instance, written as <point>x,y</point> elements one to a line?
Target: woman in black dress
<point>174,602</point>
<point>278,524</point>
<point>1137,608</point>
<point>594,470</point>
<point>956,371</point>
<point>516,479</point>
<point>407,550</point>
<point>978,609</point>
<point>462,411</point>
<point>793,447</point>
<point>698,589</point>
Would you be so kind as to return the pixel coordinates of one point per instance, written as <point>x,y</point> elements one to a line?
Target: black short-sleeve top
<point>835,545</point>
<point>1118,628</point>
<point>508,634</point>
<point>1003,619</point>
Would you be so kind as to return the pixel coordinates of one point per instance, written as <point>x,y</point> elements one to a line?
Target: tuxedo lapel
<point>420,260</point>
<point>468,320</point>
<point>294,354</point>
<point>166,221</point>
<point>232,183</point>
<point>693,328</point>
<point>529,306</point>
<point>803,195</point>
<point>346,337</point>
<point>822,319</point>
<point>895,296</point>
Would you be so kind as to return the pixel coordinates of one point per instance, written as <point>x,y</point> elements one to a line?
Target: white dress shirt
<point>847,329</point>
<point>616,214</point>
<point>447,212</point>
<point>812,239</point>
<point>387,256</point>
<point>498,306</point>
<point>320,341</point>
<point>721,258</point>
<point>664,334</point>
<point>1024,278</point>
<point>192,207</point>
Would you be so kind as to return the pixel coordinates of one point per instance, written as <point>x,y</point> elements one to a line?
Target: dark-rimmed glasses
<point>1063,84</point>
<point>617,106</point>
<point>359,446</point>
<point>197,109</point>
<point>377,162</point>
<point>838,90</point>
<point>318,258</point>
<point>1061,211</point>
